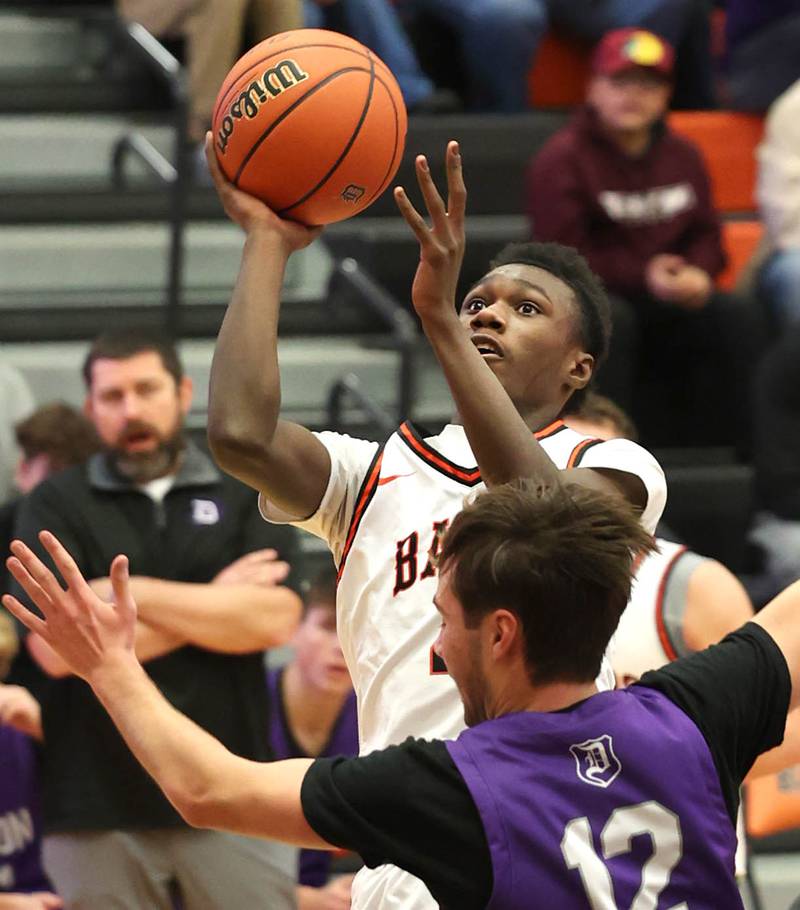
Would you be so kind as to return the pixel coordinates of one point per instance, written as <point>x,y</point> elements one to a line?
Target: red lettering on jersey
<point>439,527</point>
<point>405,563</point>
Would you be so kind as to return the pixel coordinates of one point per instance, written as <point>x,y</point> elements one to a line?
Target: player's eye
<point>528,308</point>
<point>474,306</point>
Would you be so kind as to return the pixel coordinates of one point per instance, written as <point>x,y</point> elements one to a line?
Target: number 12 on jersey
<point>625,823</point>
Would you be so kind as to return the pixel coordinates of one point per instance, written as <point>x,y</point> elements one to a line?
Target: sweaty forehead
<point>533,276</point>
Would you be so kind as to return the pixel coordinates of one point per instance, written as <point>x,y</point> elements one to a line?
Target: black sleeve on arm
<point>737,692</point>
<point>409,806</point>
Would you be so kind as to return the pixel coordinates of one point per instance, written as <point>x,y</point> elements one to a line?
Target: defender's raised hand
<point>84,630</point>
<point>441,246</point>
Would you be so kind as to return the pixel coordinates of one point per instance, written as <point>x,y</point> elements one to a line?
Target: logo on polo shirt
<point>205,512</point>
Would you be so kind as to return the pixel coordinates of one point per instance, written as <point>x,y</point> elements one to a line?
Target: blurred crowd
<point>218,588</point>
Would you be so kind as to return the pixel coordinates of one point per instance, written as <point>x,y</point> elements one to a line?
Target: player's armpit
<point>619,483</point>
<point>783,756</point>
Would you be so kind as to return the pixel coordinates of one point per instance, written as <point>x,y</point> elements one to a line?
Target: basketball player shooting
<point>526,339</point>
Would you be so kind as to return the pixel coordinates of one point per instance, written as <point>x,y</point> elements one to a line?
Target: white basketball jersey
<point>642,641</point>
<point>386,620</point>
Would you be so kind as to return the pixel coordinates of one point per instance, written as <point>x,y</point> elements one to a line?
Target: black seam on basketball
<point>262,60</point>
<point>387,176</point>
<point>346,149</point>
<point>313,90</point>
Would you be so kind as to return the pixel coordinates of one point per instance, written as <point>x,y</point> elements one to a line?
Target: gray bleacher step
<point>69,265</point>
<point>59,149</point>
<point>309,367</point>
<point>30,42</point>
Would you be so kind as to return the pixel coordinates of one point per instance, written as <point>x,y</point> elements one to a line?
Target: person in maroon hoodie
<point>634,199</point>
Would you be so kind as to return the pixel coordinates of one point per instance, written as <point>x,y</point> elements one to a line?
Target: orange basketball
<point>313,123</point>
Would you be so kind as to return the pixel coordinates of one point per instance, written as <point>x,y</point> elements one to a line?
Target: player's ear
<point>581,368</point>
<point>505,633</point>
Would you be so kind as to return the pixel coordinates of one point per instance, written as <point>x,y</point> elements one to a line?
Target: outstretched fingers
<point>456,188</point>
<point>121,586</point>
<point>23,614</point>
<point>433,201</point>
<point>65,564</point>
<point>35,578</point>
<point>412,217</point>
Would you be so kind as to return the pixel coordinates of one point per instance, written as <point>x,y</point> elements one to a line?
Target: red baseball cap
<point>628,48</point>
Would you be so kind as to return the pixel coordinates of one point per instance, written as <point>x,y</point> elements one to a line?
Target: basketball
<point>311,122</point>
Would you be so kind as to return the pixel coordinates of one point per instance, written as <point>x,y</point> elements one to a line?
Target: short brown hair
<point>559,557</point>
<point>120,345</point>
<point>599,409</point>
<point>58,431</point>
<point>321,590</point>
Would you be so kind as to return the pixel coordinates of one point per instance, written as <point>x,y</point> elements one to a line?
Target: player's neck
<point>549,697</point>
<point>536,417</point>
<point>311,712</point>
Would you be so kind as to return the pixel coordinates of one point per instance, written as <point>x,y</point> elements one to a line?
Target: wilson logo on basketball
<point>273,83</point>
<point>352,192</point>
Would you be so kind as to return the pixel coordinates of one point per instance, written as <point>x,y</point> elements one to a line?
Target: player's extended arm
<point>781,618</point>
<point>246,437</point>
<point>501,441</point>
<point>716,604</point>
<point>208,785</point>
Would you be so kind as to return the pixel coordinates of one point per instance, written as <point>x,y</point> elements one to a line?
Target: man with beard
<point>208,574</point>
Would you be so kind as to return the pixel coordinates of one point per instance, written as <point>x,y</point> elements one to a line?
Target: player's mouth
<point>488,347</point>
<point>139,441</point>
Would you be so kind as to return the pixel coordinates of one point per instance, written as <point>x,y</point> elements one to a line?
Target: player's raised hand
<point>441,246</point>
<point>251,213</point>
<point>86,631</point>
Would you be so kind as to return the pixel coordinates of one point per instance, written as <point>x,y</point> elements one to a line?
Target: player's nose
<point>490,317</point>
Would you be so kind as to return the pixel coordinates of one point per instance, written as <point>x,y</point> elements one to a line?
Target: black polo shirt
<point>205,522</point>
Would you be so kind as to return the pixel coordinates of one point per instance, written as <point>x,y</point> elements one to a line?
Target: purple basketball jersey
<point>20,824</point>
<point>613,803</point>
<point>314,864</point>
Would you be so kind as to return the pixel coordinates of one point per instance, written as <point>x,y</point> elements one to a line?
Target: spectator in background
<point>16,403</point>
<point>762,38</point>
<point>54,437</point>
<point>779,198</point>
<point>634,199</point>
<point>211,600</point>
<point>498,39</point>
<point>214,31</point>
<point>23,883</point>
<point>314,716</point>
<point>375,23</point>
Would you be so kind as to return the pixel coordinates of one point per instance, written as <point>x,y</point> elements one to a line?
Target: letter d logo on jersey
<point>205,512</point>
<point>596,762</point>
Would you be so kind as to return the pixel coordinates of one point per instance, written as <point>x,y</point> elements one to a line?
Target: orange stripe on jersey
<point>449,468</point>
<point>661,626</point>
<point>365,494</point>
<point>435,460</point>
<point>580,449</point>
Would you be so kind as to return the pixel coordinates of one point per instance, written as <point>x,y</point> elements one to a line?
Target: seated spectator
<point>52,438</point>
<point>498,39</point>
<point>762,38</point>
<point>214,31</point>
<point>313,715</point>
<point>375,23</point>
<point>779,199</point>
<point>634,199</point>
<point>23,883</point>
